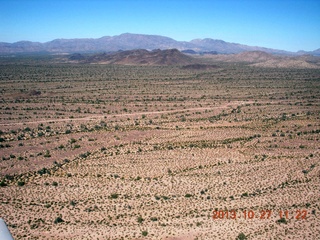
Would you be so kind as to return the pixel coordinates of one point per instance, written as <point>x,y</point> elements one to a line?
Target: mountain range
<point>128,41</point>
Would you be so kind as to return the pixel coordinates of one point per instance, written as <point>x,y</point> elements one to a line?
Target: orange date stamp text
<point>260,214</point>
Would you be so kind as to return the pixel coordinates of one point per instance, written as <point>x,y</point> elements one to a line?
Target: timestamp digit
<point>269,213</point>
<point>221,214</point>
<point>301,214</point>
<point>233,214</point>
<point>249,214</point>
<point>284,214</point>
<point>215,215</point>
<point>265,214</point>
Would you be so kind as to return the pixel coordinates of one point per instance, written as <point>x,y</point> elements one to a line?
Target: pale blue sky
<point>282,24</point>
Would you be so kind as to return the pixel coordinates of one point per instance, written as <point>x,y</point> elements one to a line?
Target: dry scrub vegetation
<point>132,152</point>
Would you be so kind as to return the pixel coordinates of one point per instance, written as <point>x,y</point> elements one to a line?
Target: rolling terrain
<point>187,61</point>
<point>266,60</point>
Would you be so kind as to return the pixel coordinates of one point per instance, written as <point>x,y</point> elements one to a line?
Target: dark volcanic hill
<point>137,57</point>
<point>129,41</point>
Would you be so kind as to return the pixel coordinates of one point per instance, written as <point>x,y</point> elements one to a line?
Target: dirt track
<point>101,116</point>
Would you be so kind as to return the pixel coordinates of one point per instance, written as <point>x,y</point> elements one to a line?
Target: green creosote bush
<point>282,220</point>
<point>114,195</point>
<point>3,184</point>
<point>241,236</point>
<point>58,220</point>
<point>47,154</point>
<point>140,219</point>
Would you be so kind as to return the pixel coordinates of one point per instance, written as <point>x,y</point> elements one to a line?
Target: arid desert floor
<point>150,152</point>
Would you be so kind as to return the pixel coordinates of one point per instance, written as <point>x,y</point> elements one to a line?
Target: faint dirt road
<point>102,116</point>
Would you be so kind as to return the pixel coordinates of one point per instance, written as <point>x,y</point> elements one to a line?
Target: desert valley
<point>159,144</point>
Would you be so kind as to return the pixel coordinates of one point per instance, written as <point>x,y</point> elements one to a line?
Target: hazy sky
<point>282,24</point>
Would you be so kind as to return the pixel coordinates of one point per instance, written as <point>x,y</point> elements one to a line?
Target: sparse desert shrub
<point>27,129</point>
<point>114,195</point>
<point>57,164</point>
<point>43,171</point>
<point>140,219</point>
<point>245,194</point>
<point>282,220</point>
<point>40,134</point>
<point>58,220</point>
<point>85,155</point>
<point>47,154</point>
<point>9,177</point>
<point>3,183</point>
<point>21,183</point>
<point>241,236</point>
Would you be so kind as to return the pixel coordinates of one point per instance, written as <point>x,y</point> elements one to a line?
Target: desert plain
<point>95,151</point>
